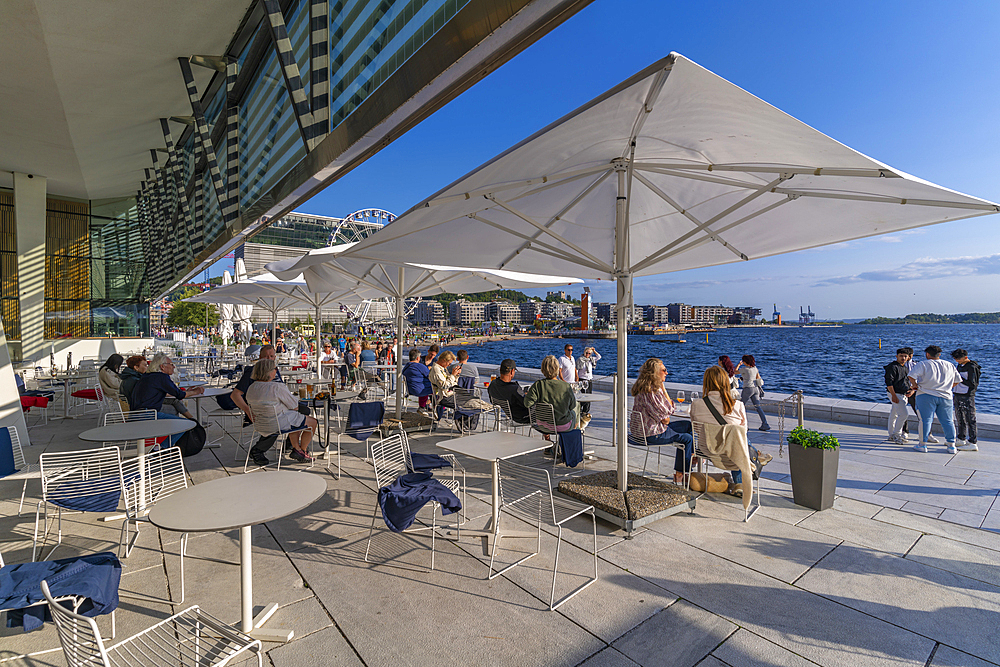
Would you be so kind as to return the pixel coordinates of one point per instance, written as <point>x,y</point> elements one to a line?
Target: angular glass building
<point>145,143</point>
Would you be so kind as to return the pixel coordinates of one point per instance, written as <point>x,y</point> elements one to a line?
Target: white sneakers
<point>898,438</point>
<point>963,446</point>
<point>951,448</point>
<point>920,447</point>
<point>931,439</point>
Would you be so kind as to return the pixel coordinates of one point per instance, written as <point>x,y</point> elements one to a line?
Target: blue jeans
<point>677,431</point>
<point>738,474</point>
<point>928,406</point>
<point>167,415</point>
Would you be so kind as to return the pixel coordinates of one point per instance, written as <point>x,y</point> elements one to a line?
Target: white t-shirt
<point>935,377</point>
<point>567,368</point>
<point>328,356</point>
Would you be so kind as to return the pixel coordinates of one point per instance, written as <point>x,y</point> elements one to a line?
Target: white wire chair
<point>637,438</point>
<point>85,481</point>
<point>125,417</point>
<point>721,462</point>
<point>456,468</point>
<point>372,379</point>
<point>192,638</point>
<point>505,418</point>
<point>526,494</point>
<point>469,404</point>
<point>266,424</point>
<point>164,475</point>
<point>391,458</point>
<point>25,470</point>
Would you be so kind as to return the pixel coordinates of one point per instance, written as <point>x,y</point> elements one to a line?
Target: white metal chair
<point>391,458</point>
<point>85,481</point>
<point>722,463</point>
<point>372,380</point>
<point>189,639</point>
<point>456,468</point>
<point>526,494</point>
<point>469,404</point>
<point>131,416</point>
<point>505,418</point>
<point>24,470</point>
<point>164,475</point>
<point>266,424</point>
<point>637,438</point>
<point>356,425</point>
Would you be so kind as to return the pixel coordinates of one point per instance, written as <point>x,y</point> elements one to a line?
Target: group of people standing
<point>934,387</point>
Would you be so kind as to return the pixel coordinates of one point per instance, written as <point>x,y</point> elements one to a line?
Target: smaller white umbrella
<point>226,325</point>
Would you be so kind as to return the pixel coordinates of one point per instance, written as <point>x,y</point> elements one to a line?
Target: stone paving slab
<point>680,635</point>
<point>866,532</point>
<point>946,656</point>
<point>745,649</point>
<point>805,624</point>
<point>609,657</point>
<point>946,607</point>
<point>964,518</point>
<point>326,647</point>
<point>940,493</point>
<point>958,557</point>
<point>945,529</point>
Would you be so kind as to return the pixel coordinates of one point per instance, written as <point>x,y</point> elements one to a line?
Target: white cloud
<point>927,268</point>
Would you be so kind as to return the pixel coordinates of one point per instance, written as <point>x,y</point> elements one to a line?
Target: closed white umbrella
<point>227,313</point>
<point>673,169</point>
<point>329,268</point>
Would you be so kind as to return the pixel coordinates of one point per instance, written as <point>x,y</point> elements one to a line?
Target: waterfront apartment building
<point>606,311</point>
<point>656,314</point>
<point>556,311</point>
<point>428,314</point>
<point>503,311</point>
<point>464,313</point>
<point>530,311</point>
<point>710,314</point>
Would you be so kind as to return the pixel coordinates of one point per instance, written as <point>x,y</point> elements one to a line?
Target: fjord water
<point>843,362</point>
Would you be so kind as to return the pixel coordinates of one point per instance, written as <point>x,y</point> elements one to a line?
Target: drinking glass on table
<point>680,397</point>
<point>695,396</point>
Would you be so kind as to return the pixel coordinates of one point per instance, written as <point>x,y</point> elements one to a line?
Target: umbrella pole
<point>399,347</point>
<point>319,341</point>
<point>274,323</point>
<point>624,280</point>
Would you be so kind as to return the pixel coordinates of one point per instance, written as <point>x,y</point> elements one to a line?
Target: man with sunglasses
<point>567,365</point>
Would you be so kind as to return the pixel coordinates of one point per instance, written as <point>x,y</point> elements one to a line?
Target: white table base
<point>250,624</point>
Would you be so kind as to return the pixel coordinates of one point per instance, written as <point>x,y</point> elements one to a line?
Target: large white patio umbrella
<point>330,269</point>
<point>274,295</point>
<point>673,169</point>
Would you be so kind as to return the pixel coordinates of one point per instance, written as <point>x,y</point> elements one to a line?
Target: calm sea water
<point>843,362</point>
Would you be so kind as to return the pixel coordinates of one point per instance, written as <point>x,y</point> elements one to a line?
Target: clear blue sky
<point>913,84</point>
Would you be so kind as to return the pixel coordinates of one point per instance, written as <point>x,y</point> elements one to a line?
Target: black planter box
<point>814,475</point>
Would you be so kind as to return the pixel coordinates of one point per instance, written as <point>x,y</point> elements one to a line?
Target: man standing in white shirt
<point>567,365</point>
<point>934,380</point>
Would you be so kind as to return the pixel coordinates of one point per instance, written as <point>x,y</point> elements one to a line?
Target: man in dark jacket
<point>898,386</point>
<point>964,398</point>
<point>506,388</point>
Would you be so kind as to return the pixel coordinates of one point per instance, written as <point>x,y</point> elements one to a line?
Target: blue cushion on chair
<point>6,453</point>
<point>71,496</point>
<point>364,418</point>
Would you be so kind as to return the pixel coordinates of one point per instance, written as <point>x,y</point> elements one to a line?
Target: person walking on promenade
<point>585,372</point>
<point>897,384</point>
<point>911,399</point>
<point>734,382</point>
<point>965,401</point>
<point>934,379</point>
<point>752,382</point>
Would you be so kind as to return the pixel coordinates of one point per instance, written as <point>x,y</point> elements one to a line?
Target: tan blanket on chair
<point>727,447</point>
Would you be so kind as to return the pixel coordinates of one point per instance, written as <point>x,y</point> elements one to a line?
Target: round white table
<point>210,392</point>
<point>138,431</point>
<point>241,501</point>
<point>66,379</point>
<point>591,398</point>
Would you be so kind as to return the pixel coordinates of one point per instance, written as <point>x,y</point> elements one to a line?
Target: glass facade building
<point>302,82</point>
<point>95,274</point>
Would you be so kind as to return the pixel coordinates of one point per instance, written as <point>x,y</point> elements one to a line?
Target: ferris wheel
<point>359,225</point>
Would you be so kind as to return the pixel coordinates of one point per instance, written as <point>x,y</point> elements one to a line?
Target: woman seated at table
<point>265,394</point>
<point>444,381</point>
<point>417,378</point>
<point>655,407</point>
<point>556,393</point>
<point>110,378</point>
<point>716,388</point>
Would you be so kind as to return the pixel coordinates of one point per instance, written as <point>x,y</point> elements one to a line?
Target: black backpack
<point>193,441</point>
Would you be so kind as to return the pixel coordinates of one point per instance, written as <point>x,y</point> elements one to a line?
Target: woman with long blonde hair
<point>652,409</point>
<point>716,389</point>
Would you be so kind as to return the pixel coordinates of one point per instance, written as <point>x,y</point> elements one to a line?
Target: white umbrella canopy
<point>332,268</point>
<point>673,169</point>
<point>274,295</point>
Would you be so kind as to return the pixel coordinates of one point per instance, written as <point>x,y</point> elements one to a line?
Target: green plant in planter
<point>809,438</point>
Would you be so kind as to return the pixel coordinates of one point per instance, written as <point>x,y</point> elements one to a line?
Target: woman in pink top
<point>654,407</point>
<point>716,388</point>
